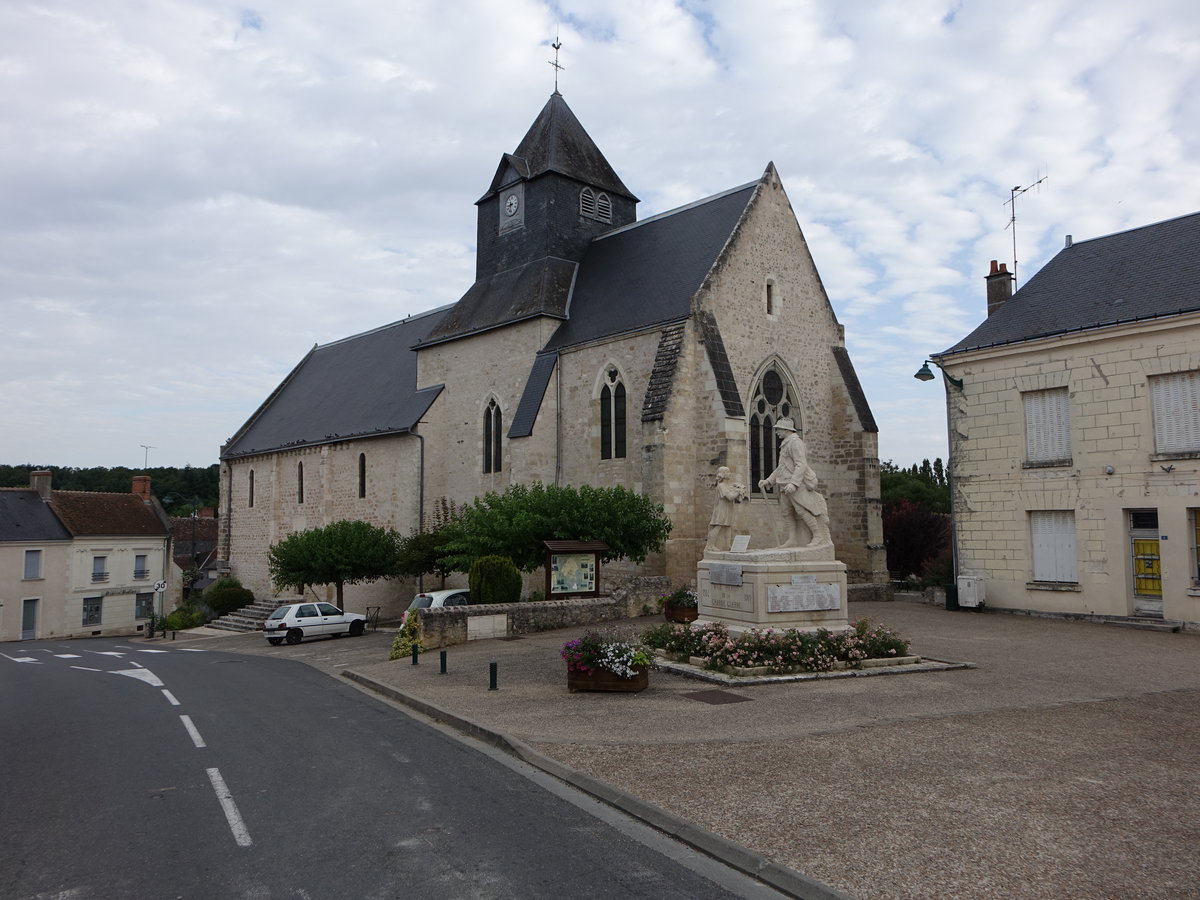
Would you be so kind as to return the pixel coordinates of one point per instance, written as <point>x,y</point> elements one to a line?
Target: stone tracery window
<point>612,416</point>
<point>773,399</point>
<point>492,430</point>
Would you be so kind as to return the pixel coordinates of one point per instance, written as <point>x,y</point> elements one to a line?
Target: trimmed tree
<point>341,553</point>
<point>515,523</point>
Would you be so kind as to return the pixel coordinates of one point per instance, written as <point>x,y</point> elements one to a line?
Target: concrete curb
<point>781,878</point>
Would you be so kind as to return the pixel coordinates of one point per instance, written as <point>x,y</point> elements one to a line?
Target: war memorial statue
<point>761,579</point>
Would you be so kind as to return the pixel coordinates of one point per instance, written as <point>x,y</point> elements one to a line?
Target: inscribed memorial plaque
<point>725,573</point>
<point>803,597</point>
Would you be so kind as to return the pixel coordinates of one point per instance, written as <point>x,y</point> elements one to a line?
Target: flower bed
<point>606,661</point>
<point>777,652</point>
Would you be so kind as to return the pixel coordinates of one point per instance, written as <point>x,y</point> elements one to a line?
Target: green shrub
<point>407,636</point>
<point>494,579</point>
<point>536,597</point>
<point>227,598</point>
<point>182,618</point>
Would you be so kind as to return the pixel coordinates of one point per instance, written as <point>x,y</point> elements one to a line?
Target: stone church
<point>592,348</point>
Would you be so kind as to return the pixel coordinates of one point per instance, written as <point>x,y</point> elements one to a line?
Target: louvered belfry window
<point>1047,427</point>
<point>1175,405</point>
<point>587,203</point>
<point>595,205</point>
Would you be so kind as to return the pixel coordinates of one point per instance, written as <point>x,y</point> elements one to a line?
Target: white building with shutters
<point>1074,415</point>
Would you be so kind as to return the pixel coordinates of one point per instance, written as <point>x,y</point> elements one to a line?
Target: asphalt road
<point>184,772</point>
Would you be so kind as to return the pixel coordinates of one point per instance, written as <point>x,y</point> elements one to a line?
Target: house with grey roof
<point>79,563</point>
<point>1074,415</point>
<point>592,348</point>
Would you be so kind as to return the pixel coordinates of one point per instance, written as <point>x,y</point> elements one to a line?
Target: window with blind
<point>1053,538</point>
<point>1175,406</point>
<point>1047,427</point>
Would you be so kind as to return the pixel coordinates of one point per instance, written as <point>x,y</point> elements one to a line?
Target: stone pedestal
<point>794,587</point>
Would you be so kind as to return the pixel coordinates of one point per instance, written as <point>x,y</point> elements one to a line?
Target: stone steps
<point>248,618</point>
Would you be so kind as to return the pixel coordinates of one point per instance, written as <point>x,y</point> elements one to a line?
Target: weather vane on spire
<point>554,62</point>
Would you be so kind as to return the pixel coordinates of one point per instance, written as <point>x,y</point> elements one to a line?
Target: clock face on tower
<point>511,208</point>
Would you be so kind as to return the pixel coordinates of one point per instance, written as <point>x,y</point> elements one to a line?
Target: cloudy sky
<point>193,192</point>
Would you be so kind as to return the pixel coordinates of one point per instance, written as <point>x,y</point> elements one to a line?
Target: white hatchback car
<point>296,621</point>
<point>434,599</point>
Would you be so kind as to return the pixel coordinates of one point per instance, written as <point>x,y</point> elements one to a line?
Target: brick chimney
<point>141,487</point>
<point>999,286</point>
<point>40,482</point>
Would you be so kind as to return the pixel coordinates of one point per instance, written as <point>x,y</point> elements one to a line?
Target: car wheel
<point>274,642</point>
<point>356,628</point>
<point>295,636</point>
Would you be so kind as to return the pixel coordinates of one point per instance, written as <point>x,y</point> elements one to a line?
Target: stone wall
<point>626,597</point>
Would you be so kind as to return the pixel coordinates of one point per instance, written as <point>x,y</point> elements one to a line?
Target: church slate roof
<point>531,397</point>
<point>556,142</point>
<point>24,516</point>
<point>539,288</point>
<point>646,274</point>
<point>1144,273</point>
<point>360,386</point>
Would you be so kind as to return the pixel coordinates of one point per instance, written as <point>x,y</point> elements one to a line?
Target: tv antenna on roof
<point>557,45</point>
<point>1014,193</point>
<point>146,460</point>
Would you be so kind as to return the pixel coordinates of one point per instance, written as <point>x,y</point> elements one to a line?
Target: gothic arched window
<point>773,399</point>
<point>250,491</point>
<point>299,482</point>
<point>492,429</point>
<point>362,474</point>
<point>612,417</point>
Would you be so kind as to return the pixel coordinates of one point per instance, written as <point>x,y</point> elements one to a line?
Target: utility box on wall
<point>970,591</point>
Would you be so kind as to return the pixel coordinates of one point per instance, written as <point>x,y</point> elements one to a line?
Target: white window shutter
<point>1047,426</point>
<point>1175,404</point>
<point>1053,533</point>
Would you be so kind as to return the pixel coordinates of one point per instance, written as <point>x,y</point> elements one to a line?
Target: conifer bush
<point>494,579</point>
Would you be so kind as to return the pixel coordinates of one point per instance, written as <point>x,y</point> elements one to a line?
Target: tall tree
<point>345,552</point>
<point>515,523</point>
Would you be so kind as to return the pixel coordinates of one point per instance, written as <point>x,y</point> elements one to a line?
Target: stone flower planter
<point>604,680</point>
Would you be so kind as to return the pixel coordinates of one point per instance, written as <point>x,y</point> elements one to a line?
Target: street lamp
<point>926,374</point>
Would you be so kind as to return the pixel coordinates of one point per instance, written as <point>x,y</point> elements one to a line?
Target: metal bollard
<point>492,667</point>
<point>415,651</point>
<point>442,657</point>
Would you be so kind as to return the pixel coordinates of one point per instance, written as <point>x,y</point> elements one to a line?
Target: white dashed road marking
<point>240,833</point>
<point>191,729</point>
<point>170,697</point>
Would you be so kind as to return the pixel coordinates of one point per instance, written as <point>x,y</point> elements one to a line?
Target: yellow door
<point>1147,574</point>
